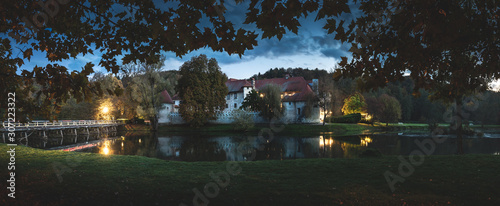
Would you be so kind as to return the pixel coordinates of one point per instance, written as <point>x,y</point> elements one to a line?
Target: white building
<point>294,94</point>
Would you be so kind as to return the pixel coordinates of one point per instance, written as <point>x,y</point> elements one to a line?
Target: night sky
<point>311,48</point>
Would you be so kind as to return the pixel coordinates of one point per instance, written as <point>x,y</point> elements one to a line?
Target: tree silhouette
<point>448,47</point>
<point>202,89</point>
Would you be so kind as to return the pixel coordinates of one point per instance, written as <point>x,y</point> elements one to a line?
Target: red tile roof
<point>166,97</point>
<point>236,85</point>
<point>292,84</point>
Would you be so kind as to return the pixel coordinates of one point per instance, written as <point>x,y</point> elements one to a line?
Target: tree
<point>270,106</point>
<point>252,101</point>
<point>294,72</point>
<point>326,96</point>
<point>112,104</point>
<point>374,107</point>
<point>488,108</point>
<point>450,48</point>
<point>202,88</point>
<point>391,109</point>
<point>145,89</point>
<point>127,31</point>
<point>354,104</point>
<point>342,88</point>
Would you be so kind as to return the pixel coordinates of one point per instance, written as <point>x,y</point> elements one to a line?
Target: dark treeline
<point>416,106</point>
<point>308,74</point>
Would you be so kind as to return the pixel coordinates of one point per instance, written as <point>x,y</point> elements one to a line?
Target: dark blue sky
<point>310,48</point>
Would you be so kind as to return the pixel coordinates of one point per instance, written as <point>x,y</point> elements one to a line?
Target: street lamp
<point>105,110</point>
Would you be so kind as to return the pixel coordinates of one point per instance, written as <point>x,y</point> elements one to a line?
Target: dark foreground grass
<point>94,179</point>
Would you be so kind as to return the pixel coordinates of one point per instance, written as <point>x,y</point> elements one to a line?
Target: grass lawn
<point>94,179</point>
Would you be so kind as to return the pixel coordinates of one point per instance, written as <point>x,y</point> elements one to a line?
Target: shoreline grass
<point>95,179</point>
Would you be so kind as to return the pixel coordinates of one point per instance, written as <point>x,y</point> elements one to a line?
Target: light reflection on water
<point>242,148</point>
<point>105,148</point>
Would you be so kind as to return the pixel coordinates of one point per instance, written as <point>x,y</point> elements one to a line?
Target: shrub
<point>242,120</point>
<point>350,118</point>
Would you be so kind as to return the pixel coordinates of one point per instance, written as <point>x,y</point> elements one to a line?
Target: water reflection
<point>105,148</point>
<point>243,148</point>
<point>188,148</point>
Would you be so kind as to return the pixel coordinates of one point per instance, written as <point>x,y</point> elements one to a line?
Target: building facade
<point>295,92</point>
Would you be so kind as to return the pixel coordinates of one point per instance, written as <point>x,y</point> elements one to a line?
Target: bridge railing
<point>60,123</point>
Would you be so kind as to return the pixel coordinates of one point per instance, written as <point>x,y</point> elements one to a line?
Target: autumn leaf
<point>28,53</point>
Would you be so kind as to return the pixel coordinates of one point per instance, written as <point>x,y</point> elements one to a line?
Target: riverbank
<point>94,179</point>
<point>337,129</point>
<point>285,129</point>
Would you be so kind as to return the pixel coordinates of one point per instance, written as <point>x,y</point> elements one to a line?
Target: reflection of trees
<point>352,150</point>
<point>272,150</point>
<point>200,149</point>
<point>345,146</point>
<point>309,151</point>
<point>147,145</point>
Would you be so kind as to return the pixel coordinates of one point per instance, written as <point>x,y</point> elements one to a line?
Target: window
<point>298,111</point>
<point>227,97</point>
<point>235,106</point>
<point>289,103</point>
<point>227,106</point>
<point>235,95</point>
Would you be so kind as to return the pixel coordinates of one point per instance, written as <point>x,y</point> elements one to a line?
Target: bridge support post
<point>26,136</point>
<point>88,133</point>
<point>45,138</point>
<point>76,136</point>
<point>62,136</point>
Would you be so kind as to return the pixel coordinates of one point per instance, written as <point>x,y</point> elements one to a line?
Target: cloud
<point>336,53</point>
<point>261,64</point>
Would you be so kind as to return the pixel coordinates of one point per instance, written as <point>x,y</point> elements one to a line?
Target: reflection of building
<point>241,149</point>
<point>170,146</point>
<point>295,92</point>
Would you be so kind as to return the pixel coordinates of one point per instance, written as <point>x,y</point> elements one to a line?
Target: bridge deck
<point>65,124</point>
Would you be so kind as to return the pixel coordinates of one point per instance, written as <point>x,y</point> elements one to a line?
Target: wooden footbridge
<point>59,129</point>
